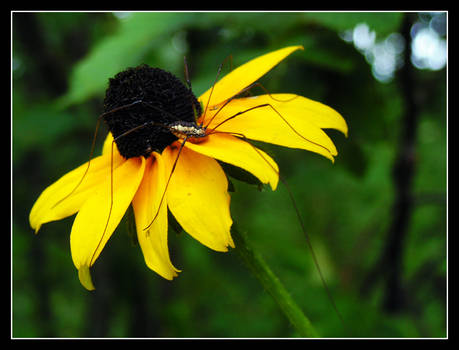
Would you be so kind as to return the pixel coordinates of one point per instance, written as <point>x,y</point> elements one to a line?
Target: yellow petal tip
<point>171,276</point>
<point>84,276</point>
<point>293,48</point>
<point>273,183</point>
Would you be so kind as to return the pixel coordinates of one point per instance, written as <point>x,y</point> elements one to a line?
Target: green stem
<point>273,285</point>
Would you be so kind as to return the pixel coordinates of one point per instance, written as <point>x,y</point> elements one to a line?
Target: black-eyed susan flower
<point>165,154</point>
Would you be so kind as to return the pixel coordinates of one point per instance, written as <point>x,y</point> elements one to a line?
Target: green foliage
<point>136,36</point>
<point>61,65</point>
<point>383,23</point>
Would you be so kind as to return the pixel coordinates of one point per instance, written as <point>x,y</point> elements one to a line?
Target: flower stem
<point>272,285</point>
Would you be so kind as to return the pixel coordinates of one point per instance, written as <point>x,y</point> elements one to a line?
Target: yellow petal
<point>97,218</point>
<point>198,198</point>
<point>153,241</point>
<point>295,123</point>
<point>66,196</point>
<point>308,110</point>
<point>242,154</point>
<point>107,147</point>
<point>244,75</point>
<point>84,275</point>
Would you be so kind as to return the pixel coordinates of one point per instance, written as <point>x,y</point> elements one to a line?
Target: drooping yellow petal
<point>153,241</point>
<point>198,198</point>
<point>66,196</point>
<point>240,153</point>
<point>297,122</point>
<point>241,77</point>
<point>102,212</point>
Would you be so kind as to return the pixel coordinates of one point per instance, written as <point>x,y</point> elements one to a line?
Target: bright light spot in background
<point>363,38</point>
<point>386,56</point>
<point>429,50</point>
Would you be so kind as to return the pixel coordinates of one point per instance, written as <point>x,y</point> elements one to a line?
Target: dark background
<point>377,217</point>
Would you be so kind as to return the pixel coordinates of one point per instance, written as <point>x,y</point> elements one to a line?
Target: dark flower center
<point>140,105</point>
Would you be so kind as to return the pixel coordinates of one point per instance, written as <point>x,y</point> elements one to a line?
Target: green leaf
<point>137,35</point>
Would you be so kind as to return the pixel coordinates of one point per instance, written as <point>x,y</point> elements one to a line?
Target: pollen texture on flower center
<point>148,99</point>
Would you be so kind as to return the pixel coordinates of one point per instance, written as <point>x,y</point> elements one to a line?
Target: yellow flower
<point>196,193</point>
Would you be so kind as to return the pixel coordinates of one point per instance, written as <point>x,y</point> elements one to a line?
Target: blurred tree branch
<point>390,264</point>
<point>403,174</point>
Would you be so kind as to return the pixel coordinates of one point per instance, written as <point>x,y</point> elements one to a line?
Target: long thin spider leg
<point>187,73</point>
<point>269,93</point>
<point>280,116</point>
<point>91,153</point>
<point>111,179</point>
<point>225,103</point>
<point>150,123</point>
<point>247,88</point>
<point>188,82</point>
<point>212,89</point>
<point>111,205</point>
<point>230,57</point>
<point>167,183</point>
<point>117,109</point>
<point>87,167</point>
<point>153,107</point>
<point>300,220</point>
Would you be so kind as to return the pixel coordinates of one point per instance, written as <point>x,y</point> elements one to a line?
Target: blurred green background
<point>378,228</point>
